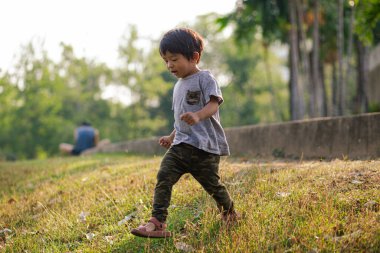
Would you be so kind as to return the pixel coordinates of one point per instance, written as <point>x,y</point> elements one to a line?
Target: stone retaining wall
<point>354,137</point>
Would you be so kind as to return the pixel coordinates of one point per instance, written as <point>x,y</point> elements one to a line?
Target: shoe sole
<point>152,234</point>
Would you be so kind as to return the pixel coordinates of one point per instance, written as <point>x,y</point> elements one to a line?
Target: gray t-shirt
<point>191,94</point>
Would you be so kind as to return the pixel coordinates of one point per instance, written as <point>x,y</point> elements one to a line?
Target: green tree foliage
<point>241,71</point>
<point>30,105</point>
<point>145,75</point>
<point>368,17</point>
<point>43,101</point>
<point>270,18</point>
<point>276,20</point>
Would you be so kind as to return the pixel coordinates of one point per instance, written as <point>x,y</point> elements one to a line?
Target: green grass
<point>288,206</point>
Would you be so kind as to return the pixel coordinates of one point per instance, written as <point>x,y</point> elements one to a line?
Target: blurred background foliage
<point>274,60</point>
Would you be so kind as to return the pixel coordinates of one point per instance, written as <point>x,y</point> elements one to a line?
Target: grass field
<point>89,204</point>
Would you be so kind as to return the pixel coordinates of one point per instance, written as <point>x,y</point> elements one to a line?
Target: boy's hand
<point>165,141</point>
<point>190,118</point>
<point>206,112</point>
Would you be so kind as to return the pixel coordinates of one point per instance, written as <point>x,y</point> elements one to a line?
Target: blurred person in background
<point>85,137</point>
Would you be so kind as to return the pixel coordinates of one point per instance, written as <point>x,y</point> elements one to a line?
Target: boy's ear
<point>196,57</point>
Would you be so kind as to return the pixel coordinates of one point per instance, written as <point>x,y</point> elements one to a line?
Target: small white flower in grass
<point>109,239</point>
<point>3,236</point>
<point>127,218</point>
<point>372,206</point>
<point>84,179</point>
<point>184,247</point>
<point>356,182</point>
<point>198,214</point>
<point>233,183</point>
<point>90,236</point>
<point>282,194</point>
<point>140,206</point>
<point>354,235</point>
<point>82,216</point>
<point>54,201</point>
<point>5,231</point>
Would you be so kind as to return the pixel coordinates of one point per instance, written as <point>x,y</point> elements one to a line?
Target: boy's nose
<point>169,65</point>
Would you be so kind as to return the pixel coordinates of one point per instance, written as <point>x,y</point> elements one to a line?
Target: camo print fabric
<point>203,166</point>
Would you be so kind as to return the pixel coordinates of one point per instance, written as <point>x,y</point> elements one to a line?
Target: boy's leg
<point>169,173</point>
<point>171,169</point>
<point>206,171</point>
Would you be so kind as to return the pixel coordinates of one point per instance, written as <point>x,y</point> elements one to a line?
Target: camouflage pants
<point>203,166</point>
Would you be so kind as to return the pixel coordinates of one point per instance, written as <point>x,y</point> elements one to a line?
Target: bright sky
<point>93,27</point>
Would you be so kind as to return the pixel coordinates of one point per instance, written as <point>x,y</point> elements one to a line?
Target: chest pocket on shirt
<point>193,97</point>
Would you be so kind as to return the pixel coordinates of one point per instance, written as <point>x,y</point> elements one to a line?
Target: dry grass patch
<point>89,204</point>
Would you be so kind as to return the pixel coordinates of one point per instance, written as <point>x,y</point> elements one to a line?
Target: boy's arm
<point>172,135</point>
<point>206,112</point>
<point>166,141</point>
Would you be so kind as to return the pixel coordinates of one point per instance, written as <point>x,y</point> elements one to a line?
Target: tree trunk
<point>296,100</point>
<point>325,112</point>
<point>340,47</point>
<point>334,88</point>
<point>305,61</point>
<point>318,88</point>
<point>361,98</point>
<point>347,63</point>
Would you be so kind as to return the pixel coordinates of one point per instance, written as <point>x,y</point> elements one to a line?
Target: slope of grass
<point>85,205</point>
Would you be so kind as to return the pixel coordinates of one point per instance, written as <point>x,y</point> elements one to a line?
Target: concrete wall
<point>144,146</point>
<point>356,137</point>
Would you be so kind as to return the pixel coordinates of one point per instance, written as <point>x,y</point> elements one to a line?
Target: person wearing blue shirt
<point>85,136</point>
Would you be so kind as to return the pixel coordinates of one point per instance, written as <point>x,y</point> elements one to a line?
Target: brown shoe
<point>231,218</point>
<point>152,229</point>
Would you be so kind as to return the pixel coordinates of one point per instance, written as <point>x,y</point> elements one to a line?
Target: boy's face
<point>179,65</point>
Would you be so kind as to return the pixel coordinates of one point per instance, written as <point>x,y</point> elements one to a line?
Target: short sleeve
<point>210,87</point>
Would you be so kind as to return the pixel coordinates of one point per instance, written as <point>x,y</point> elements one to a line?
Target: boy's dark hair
<point>182,41</point>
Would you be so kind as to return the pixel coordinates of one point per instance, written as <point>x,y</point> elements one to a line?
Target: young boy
<point>198,139</point>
